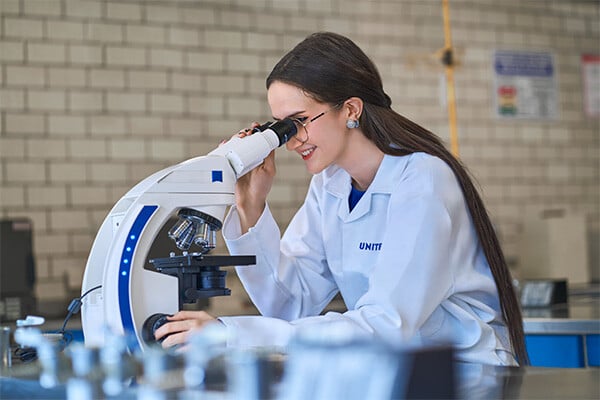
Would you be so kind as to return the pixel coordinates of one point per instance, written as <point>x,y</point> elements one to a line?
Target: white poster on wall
<point>525,85</point>
<point>590,68</point>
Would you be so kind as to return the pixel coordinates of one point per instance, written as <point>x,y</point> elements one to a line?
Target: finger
<point>172,327</point>
<point>175,317</point>
<point>174,339</point>
<point>248,131</point>
<point>162,331</point>
<point>183,315</point>
<point>182,349</point>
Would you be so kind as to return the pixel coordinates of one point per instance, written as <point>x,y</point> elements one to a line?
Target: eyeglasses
<point>303,121</point>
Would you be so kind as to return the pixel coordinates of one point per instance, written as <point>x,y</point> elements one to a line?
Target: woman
<point>391,220</point>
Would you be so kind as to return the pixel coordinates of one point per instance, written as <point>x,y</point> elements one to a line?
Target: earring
<point>352,123</point>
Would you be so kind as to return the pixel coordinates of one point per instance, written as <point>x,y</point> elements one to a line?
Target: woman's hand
<point>251,190</point>
<point>181,325</point>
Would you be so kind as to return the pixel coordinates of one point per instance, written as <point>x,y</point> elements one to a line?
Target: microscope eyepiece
<point>247,152</point>
<point>285,129</point>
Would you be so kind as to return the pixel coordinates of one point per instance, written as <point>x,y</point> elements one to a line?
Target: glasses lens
<point>302,133</point>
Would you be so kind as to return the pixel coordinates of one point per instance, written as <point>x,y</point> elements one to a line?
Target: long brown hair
<point>331,69</point>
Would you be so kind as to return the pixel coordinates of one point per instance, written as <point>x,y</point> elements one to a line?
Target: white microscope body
<point>118,293</point>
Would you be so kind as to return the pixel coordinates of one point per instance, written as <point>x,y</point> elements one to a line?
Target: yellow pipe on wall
<point>448,60</point>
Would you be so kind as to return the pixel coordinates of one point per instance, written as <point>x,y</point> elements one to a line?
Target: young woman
<point>391,221</point>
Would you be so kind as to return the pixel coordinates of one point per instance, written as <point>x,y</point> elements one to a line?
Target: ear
<point>353,108</point>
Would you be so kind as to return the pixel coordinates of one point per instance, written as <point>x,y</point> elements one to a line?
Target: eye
<point>300,121</point>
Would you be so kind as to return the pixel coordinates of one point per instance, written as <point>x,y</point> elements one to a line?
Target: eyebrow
<point>290,116</point>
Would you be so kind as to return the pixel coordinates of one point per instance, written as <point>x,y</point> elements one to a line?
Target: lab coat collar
<point>337,182</point>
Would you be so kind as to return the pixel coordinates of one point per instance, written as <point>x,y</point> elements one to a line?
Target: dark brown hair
<point>331,69</point>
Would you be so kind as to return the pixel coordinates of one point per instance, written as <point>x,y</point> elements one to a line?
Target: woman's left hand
<point>180,326</point>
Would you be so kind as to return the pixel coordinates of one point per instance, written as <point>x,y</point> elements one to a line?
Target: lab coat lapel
<point>338,183</point>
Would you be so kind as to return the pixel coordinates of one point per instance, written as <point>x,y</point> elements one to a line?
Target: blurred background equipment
<point>554,245</point>
<point>17,269</point>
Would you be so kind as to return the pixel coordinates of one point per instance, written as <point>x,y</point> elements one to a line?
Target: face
<point>326,142</point>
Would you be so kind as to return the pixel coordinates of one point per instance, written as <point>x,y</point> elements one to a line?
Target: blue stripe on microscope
<point>125,270</point>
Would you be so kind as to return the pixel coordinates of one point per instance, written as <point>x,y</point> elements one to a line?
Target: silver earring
<point>352,123</point>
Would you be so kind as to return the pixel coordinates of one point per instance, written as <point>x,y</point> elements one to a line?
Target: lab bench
<point>473,381</point>
<point>562,341</point>
<point>563,336</point>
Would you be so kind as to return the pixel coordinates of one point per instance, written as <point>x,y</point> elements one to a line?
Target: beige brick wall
<point>97,94</point>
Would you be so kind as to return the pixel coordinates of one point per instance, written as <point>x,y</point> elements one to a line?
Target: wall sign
<point>525,85</point>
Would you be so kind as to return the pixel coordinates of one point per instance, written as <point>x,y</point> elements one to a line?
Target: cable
<point>74,308</point>
<point>25,354</point>
<point>29,354</point>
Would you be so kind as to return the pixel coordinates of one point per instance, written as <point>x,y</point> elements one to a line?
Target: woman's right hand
<point>179,327</point>
<point>251,190</point>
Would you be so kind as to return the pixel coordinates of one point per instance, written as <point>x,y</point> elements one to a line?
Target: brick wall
<point>97,94</point>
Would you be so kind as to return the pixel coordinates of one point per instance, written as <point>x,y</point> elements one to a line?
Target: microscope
<point>119,295</point>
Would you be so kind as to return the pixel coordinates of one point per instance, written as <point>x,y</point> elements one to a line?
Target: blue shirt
<point>354,197</point>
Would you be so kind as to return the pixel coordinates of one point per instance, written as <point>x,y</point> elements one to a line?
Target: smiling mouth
<point>306,153</point>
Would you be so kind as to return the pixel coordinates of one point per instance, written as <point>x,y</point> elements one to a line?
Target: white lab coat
<point>406,260</point>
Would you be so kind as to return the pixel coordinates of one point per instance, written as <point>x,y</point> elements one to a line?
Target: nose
<point>292,144</point>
